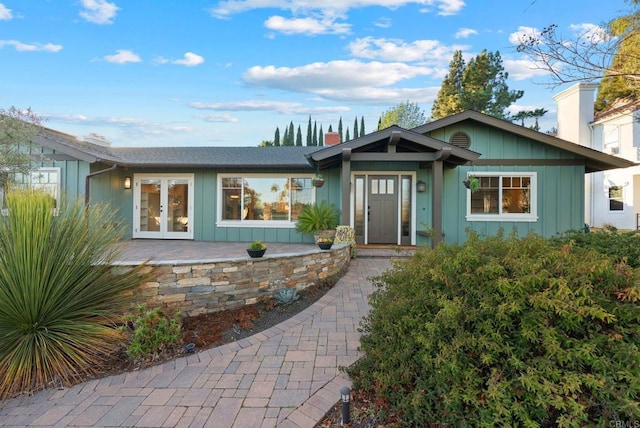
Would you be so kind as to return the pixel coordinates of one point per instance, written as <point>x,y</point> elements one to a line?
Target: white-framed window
<point>616,198</point>
<point>45,179</point>
<point>266,200</point>
<point>503,197</point>
<point>612,140</point>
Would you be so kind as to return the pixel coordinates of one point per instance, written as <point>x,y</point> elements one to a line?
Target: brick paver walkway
<point>287,376</point>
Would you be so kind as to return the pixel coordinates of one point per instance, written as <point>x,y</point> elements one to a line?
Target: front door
<point>382,210</point>
<point>163,206</point>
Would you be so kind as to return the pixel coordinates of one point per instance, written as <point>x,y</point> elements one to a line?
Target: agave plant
<point>286,296</point>
<point>58,293</point>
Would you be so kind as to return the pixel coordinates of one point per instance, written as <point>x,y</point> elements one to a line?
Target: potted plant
<point>472,183</point>
<point>324,242</point>
<point>256,249</point>
<point>319,220</point>
<point>318,180</point>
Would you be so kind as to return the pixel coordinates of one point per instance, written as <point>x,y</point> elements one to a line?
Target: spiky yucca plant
<point>58,293</point>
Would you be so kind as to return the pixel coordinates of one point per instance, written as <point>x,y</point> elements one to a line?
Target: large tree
<point>610,53</point>
<point>480,85</point>
<point>406,115</point>
<point>18,128</point>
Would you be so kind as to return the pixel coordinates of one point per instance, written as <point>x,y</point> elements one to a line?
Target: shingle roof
<point>203,157</point>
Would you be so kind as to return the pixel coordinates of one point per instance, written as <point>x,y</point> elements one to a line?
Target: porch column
<point>436,201</point>
<point>346,186</point>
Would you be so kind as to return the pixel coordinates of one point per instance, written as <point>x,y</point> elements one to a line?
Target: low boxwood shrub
<point>504,332</point>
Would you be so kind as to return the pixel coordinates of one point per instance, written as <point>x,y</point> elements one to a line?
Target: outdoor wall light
<point>421,186</point>
<point>127,182</point>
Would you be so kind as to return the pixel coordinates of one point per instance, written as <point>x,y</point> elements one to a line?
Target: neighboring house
<point>394,186</point>
<point>613,195</point>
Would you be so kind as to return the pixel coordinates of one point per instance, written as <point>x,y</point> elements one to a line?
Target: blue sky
<point>226,73</point>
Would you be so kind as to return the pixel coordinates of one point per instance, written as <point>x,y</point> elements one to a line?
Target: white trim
<point>530,217</point>
<point>163,233</point>
<point>267,224</point>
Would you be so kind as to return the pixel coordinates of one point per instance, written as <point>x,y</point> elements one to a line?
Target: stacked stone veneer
<point>211,286</point>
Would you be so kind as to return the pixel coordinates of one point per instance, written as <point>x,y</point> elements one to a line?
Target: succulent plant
<point>286,296</point>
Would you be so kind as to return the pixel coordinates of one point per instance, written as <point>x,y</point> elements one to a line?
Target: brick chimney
<point>331,139</point>
<point>575,113</point>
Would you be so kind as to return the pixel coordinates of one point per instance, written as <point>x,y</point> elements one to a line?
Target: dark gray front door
<point>383,209</point>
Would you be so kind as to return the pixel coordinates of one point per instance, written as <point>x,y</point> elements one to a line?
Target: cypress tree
<point>346,138</point>
<point>276,137</point>
<point>299,137</point>
<point>309,140</point>
<point>320,137</point>
<point>362,133</point>
<point>340,129</point>
<point>292,134</point>
<point>314,140</point>
<point>355,128</point>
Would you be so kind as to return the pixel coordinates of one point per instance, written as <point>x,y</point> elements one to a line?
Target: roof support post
<point>437,201</point>
<point>346,187</point>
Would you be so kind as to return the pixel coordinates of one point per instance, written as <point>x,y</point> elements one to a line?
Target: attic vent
<point>460,139</point>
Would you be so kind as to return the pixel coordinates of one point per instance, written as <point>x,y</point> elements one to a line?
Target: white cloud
<point>593,33</point>
<point>122,56</point>
<point>218,118</point>
<point>522,34</point>
<point>98,11</point>
<point>31,47</point>
<point>522,69</point>
<point>309,26</point>
<point>383,23</point>
<point>463,33</point>
<point>227,8</point>
<point>281,107</point>
<point>5,13</point>
<point>190,60</point>
<point>428,51</point>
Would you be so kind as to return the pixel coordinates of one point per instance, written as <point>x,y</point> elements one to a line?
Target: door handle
<point>368,213</point>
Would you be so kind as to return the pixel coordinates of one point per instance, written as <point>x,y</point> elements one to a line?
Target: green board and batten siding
<point>560,188</point>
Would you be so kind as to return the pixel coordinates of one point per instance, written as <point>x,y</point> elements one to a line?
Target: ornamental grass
<point>59,296</point>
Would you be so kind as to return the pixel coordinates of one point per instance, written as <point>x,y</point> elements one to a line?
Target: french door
<point>163,206</point>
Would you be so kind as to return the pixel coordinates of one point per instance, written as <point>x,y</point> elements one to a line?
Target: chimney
<point>331,139</point>
<point>575,113</point>
<point>96,139</point>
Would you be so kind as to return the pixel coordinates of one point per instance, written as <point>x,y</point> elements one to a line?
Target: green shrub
<point>609,241</point>
<point>153,332</point>
<point>504,332</point>
<point>58,294</point>
<point>317,217</point>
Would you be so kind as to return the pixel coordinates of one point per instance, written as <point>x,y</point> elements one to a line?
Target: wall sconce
<point>127,183</point>
<point>421,186</point>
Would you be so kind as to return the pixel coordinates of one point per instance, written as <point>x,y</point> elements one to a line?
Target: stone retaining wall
<point>232,283</point>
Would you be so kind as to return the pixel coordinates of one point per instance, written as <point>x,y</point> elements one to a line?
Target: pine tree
<point>299,137</point>
<point>309,138</point>
<point>479,85</point>
<point>320,137</point>
<point>276,137</point>
<point>314,140</point>
<point>355,128</point>
<point>362,133</point>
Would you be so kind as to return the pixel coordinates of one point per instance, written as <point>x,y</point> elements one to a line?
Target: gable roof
<point>410,145</point>
<point>200,157</point>
<point>594,160</point>
<point>620,106</point>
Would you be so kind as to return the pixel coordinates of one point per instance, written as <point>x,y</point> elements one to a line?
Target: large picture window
<point>503,197</point>
<point>255,199</point>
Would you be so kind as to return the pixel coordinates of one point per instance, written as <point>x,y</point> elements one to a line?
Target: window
<point>616,202</point>
<point>503,197</point>
<point>45,179</point>
<point>252,199</point>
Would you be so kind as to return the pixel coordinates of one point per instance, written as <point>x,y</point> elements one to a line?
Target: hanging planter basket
<point>317,181</point>
<point>472,183</point>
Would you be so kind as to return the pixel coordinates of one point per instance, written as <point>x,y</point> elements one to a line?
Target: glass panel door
<point>163,206</point>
